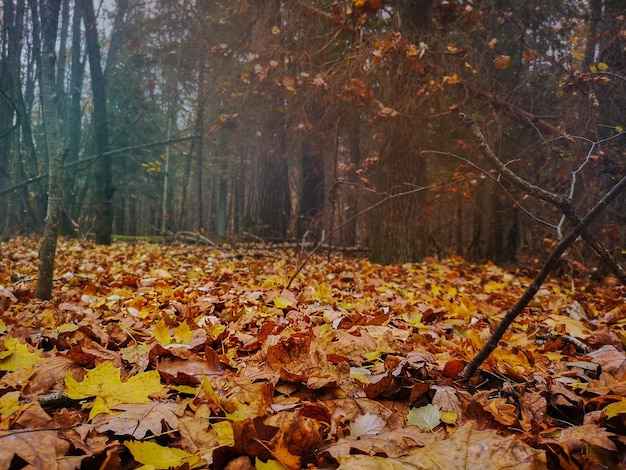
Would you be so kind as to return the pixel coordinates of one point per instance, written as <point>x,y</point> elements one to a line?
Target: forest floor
<point>187,357</point>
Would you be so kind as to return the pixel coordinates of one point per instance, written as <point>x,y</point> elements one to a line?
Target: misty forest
<point>245,178</point>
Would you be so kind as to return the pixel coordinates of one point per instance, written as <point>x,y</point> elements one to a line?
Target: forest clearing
<point>283,234</point>
<point>182,356</point>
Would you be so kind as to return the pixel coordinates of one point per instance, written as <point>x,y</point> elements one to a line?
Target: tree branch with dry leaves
<point>561,202</point>
<point>580,229</point>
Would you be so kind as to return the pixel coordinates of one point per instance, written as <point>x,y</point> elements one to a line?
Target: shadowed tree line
<point>284,120</point>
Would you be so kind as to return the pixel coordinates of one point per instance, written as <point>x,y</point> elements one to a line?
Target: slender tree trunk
<point>74,118</point>
<point>592,34</point>
<point>166,204</point>
<point>105,189</point>
<point>8,62</point>
<point>198,147</point>
<point>222,200</point>
<point>353,124</point>
<point>239,193</point>
<point>62,60</point>
<point>117,37</point>
<point>184,190</point>
<point>56,150</point>
<point>312,191</point>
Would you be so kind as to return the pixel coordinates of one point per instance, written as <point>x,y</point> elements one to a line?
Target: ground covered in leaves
<point>181,356</point>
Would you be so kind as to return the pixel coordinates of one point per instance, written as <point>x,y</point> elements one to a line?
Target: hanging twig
<point>563,203</point>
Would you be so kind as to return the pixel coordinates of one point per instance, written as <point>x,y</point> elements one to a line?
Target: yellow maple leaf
<point>241,412</point>
<point>271,464</point>
<point>162,333</point>
<point>9,403</point>
<point>282,302</point>
<point>225,434</point>
<point>104,383</point>
<point>182,333</point>
<point>323,292</point>
<point>617,408</point>
<point>210,392</point>
<point>449,417</point>
<point>414,318</point>
<point>159,457</point>
<point>493,286</point>
<point>17,355</point>
<point>573,327</point>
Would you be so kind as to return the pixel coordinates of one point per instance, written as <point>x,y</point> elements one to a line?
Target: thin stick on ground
<point>548,265</point>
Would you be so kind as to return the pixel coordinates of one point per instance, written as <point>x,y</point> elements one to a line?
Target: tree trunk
<point>198,149</point>
<point>8,62</point>
<point>105,189</point>
<point>312,192</point>
<point>268,212</point>
<point>399,232</point>
<point>349,232</point>
<point>74,117</point>
<point>269,206</point>
<point>56,150</point>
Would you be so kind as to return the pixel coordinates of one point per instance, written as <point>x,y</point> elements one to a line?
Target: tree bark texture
<point>398,232</point>
<point>312,192</point>
<point>268,212</point>
<point>353,129</point>
<point>55,147</point>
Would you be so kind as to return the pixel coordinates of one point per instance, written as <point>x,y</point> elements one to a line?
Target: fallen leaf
<point>197,434</point>
<point>40,449</point>
<point>427,417</point>
<point>614,409</point>
<point>392,444</point>
<point>159,457</point>
<point>575,438</point>
<point>104,383</point>
<point>17,355</point>
<point>137,420</point>
<point>466,449</point>
<point>367,425</point>
<point>505,413</point>
<point>610,359</point>
<point>9,403</point>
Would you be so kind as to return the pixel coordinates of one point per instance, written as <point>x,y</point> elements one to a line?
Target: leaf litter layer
<point>184,357</point>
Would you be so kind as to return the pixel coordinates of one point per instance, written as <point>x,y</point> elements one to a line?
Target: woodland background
<point>286,119</point>
<point>317,123</point>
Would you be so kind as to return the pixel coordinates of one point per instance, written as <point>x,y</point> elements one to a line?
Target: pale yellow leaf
<point>159,457</point>
<point>426,417</point>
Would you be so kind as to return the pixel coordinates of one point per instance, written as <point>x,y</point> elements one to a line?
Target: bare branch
<point>548,265</point>
<point>564,203</point>
<point>94,158</point>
